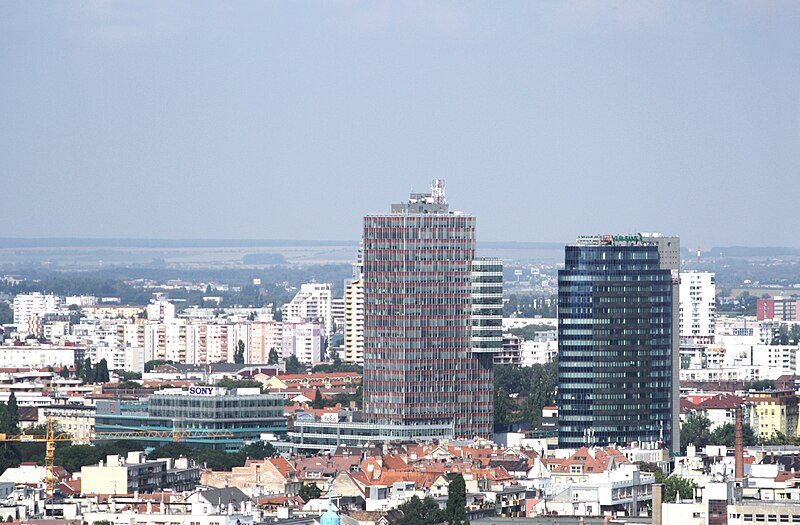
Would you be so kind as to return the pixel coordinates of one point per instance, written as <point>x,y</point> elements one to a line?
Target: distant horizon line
<point>145,242</point>
<point>160,242</point>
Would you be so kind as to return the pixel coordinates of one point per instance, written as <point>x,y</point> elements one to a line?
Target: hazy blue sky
<point>293,119</point>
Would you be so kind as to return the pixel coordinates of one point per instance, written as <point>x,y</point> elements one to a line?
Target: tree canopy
<point>696,430</point>
<point>309,491</point>
<point>421,512</point>
<point>675,486</point>
<point>215,459</point>
<point>238,355</point>
<point>294,366</point>
<point>456,511</point>
<point>535,387</point>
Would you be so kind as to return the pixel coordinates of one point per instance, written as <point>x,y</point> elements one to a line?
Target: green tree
<point>695,430</point>
<point>128,376</point>
<point>6,313</point>
<point>87,372</point>
<point>5,427</point>
<point>258,450</point>
<point>227,382</point>
<point>64,372</point>
<point>336,366</point>
<point>675,486</point>
<point>155,363</point>
<point>101,374</point>
<point>503,407</point>
<point>309,491</point>
<point>8,458</point>
<point>456,513</point>
<point>529,331</point>
<point>318,401</point>
<point>73,457</point>
<point>294,366</point>
<point>129,385</point>
<point>171,450</point>
<point>794,334</point>
<point>652,468</point>
<point>761,384</point>
<point>726,435</point>
<point>217,459</point>
<point>542,391</point>
<point>273,357</point>
<point>779,438</point>
<point>420,512</point>
<point>238,355</point>
<point>12,413</point>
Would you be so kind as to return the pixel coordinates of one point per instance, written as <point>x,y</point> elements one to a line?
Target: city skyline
<point>178,121</point>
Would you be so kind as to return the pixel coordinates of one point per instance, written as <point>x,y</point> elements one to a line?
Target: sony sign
<point>201,390</point>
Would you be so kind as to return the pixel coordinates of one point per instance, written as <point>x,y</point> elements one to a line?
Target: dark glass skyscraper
<point>419,368</point>
<point>617,331</point>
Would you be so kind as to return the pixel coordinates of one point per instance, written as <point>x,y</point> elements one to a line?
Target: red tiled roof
<point>786,475</point>
<point>687,406</point>
<point>721,402</point>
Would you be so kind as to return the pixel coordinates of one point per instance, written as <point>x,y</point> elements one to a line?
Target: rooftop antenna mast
<point>437,191</point>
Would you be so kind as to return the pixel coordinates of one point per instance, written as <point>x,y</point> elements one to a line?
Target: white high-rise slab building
<point>312,303</point>
<point>306,341</point>
<point>27,304</point>
<point>698,299</point>
<point>264,337</point>
<point>354,322</point>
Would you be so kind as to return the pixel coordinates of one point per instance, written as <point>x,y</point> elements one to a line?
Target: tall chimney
<point>658,498</point>
<point>739,444</point>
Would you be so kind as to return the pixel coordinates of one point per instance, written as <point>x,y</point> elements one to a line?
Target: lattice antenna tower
<point>437,191</point>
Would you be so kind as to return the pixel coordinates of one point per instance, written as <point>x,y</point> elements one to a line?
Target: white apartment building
<point>306,341</point>
<point>781,359</point>
<point>166,341</point>
<point>210,343</point>
<point>80,300</point>
<point>354,322</point>
<point>134,358</point>
<point>540,350</point>
<point>29,304</point>
<point>311,303</point>
<point>130,335</point>
<point>40,356</point>
<point>263,337</point>
<point>698,298</point>
<point>55,331</point>
<point>75,420</point>
<point>161,312</point>
<point>94,332</point>
<point>337,313</point>
<point>114,356</point>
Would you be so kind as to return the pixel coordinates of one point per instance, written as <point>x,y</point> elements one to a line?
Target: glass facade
<point>419,367</point>
<point>615,333</point>
<point>246,416</point>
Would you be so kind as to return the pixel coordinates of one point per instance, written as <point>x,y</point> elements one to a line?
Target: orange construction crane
<point>51,437</point>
